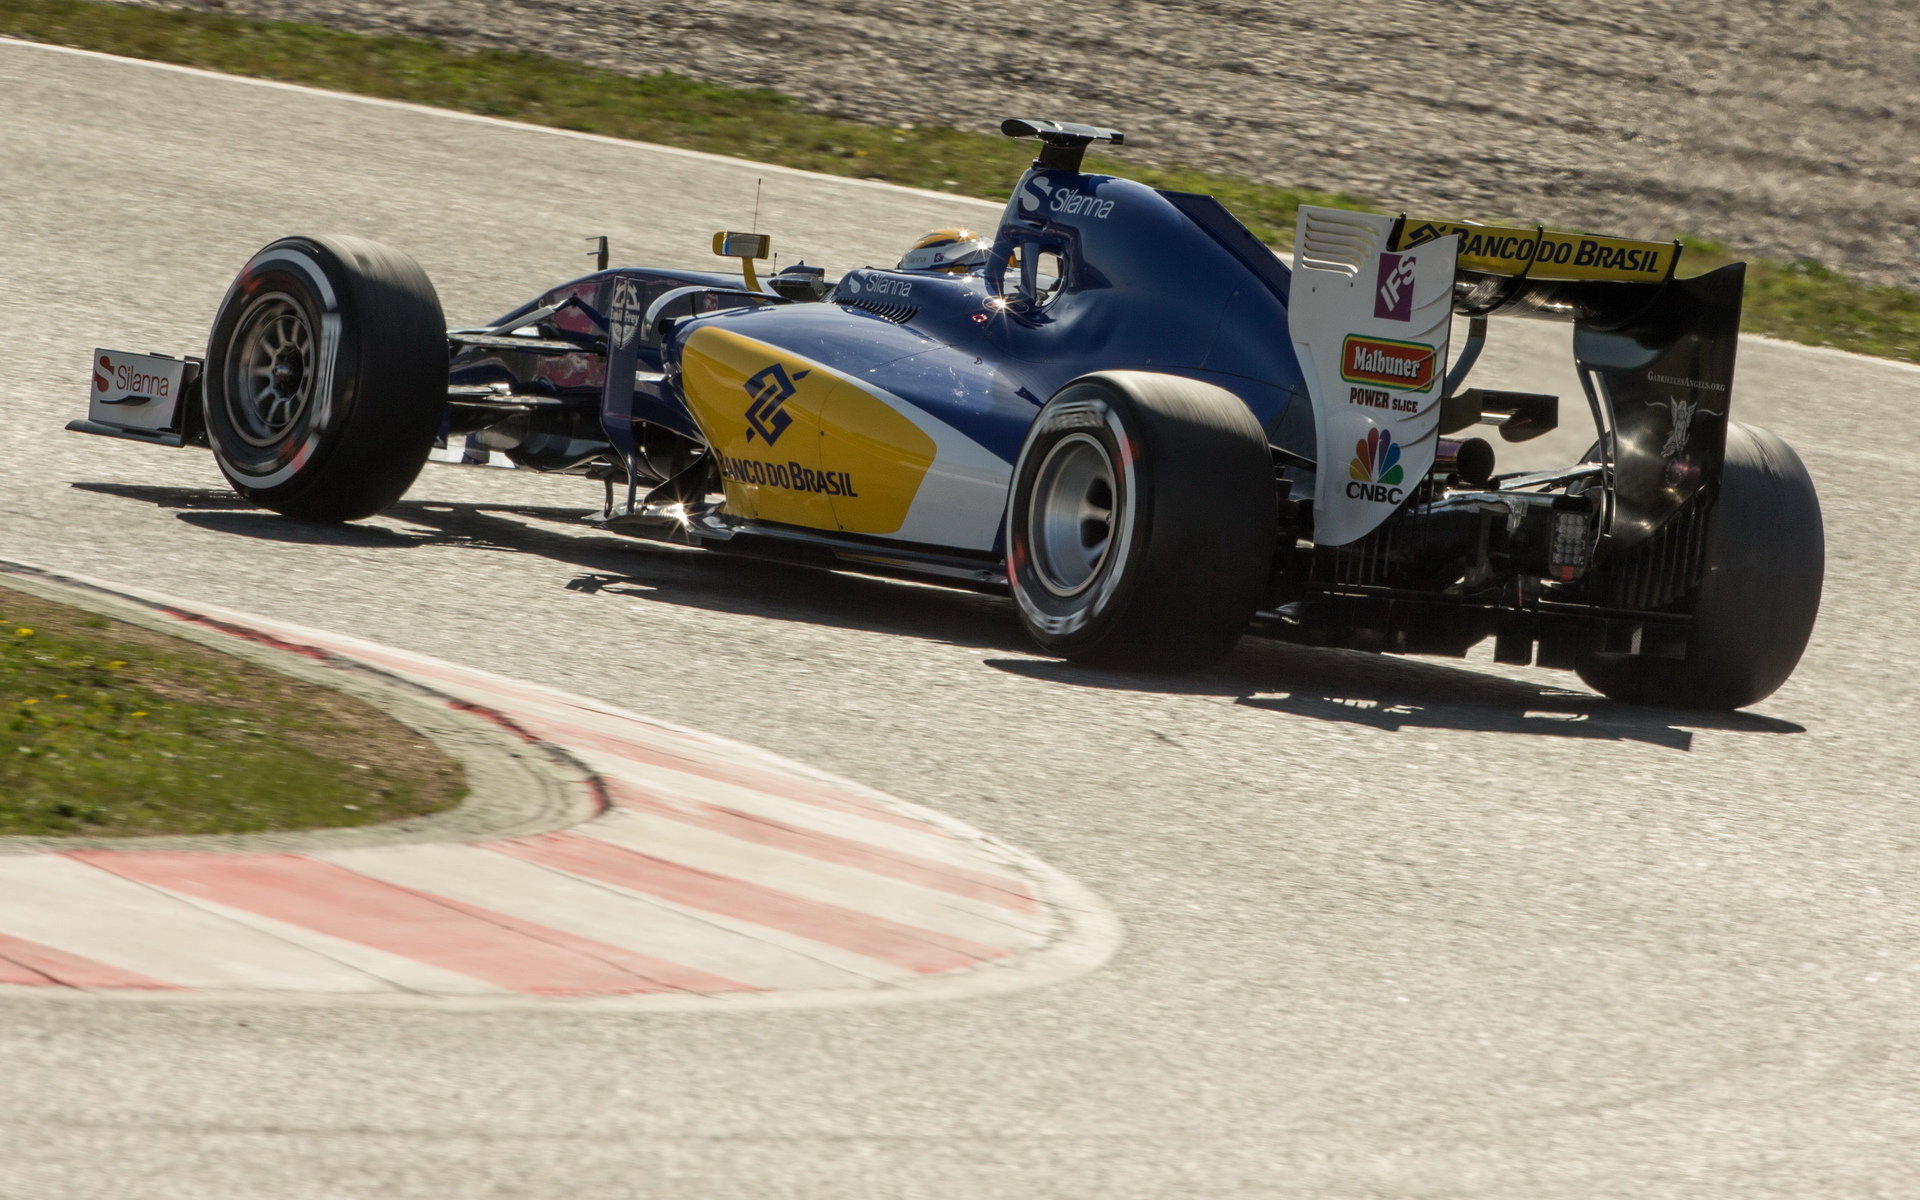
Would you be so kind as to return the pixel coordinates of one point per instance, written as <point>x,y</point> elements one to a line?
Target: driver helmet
<point>953,250</point>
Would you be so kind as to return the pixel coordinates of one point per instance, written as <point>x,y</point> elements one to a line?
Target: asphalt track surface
<point>1394,927</point>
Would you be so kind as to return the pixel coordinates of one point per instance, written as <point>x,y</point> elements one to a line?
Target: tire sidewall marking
<point>1067,414</point>
<point>295,453</point>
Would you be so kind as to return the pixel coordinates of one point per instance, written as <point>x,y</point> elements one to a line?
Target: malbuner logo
<point>1375,470</point>
<point>1403,366</point>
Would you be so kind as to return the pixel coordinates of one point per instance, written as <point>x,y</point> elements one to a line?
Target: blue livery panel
<point>925,383</point>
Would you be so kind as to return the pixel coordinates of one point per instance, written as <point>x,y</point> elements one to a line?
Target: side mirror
<point>742,245</point>
<point>746,247</point>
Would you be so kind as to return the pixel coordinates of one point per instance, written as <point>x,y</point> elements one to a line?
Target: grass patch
<point>1799,301</point>
<point>107,729</point>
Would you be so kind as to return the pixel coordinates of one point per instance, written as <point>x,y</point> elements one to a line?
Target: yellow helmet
<point>946,250</point>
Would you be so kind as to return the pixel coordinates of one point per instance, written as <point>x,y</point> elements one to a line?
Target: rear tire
<point>1141,522</point>
<point>1756,605</point>
<point>326,377</point>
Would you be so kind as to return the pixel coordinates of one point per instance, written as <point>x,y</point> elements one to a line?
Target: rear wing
<point>1544,255</point>
<point>1654,352</point>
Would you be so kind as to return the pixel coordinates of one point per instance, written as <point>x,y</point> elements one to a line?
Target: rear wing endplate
<point>1655,353</point>
<point>1369,327</point>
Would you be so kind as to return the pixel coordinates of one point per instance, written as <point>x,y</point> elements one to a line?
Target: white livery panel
<point>1370,328</point>
<point>139,392</point>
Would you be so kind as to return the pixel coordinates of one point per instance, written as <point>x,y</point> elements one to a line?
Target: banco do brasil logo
<point>1376,471</point>
<point>768,390</point>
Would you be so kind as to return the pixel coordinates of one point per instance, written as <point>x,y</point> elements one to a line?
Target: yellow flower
<point>139,714</point>
<point>29,700</point>
<point>23,631</point>
<point>115,665</point>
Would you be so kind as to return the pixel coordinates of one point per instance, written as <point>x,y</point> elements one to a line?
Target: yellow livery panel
<point>760,409</point>
<point>866,439</point>
<point>799,443</point>
<point>1545,254</point>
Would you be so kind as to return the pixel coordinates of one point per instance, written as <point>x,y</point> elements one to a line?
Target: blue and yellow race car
<point>1121,407</point>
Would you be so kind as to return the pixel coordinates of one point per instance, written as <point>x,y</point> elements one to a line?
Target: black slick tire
<point>1141,522</point>
<point>326,377</point>
<point>1755,607</point>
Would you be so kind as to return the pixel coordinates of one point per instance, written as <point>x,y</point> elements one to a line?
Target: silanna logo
<point>1039,193</point>
<point>1035,194</point>
<point>1403,366</point>
<point>136,387</point>
<point>1376,471</point>
<point>1394,299</point>
<point>769,389</point>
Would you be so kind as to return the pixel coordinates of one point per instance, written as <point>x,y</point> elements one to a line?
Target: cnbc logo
<point>1403,366</point>
<point>768,391</point>
<point>1376,473</point>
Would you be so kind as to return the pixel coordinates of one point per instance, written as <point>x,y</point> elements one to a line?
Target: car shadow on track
<point>618,567</point>
<point>1380,692</point>
<point>219,509</point>
<point>1392,694</point>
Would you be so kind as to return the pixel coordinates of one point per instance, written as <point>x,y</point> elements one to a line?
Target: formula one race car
<point>1125,410</point>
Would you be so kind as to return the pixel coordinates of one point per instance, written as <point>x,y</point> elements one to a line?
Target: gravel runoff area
<point>1780,127</point>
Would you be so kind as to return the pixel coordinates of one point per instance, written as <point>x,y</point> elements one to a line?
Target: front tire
<point>1141,522</point>
<point>1756,605</point>
<point>326,377</point>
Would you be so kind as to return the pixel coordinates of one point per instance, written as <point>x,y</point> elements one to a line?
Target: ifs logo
<point>1394,299</point>
<point>768,390</point>
<point>1376,471</point>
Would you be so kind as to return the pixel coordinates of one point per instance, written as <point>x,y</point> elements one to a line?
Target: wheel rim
<point>270,372</point>
<point>1075,511</point>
